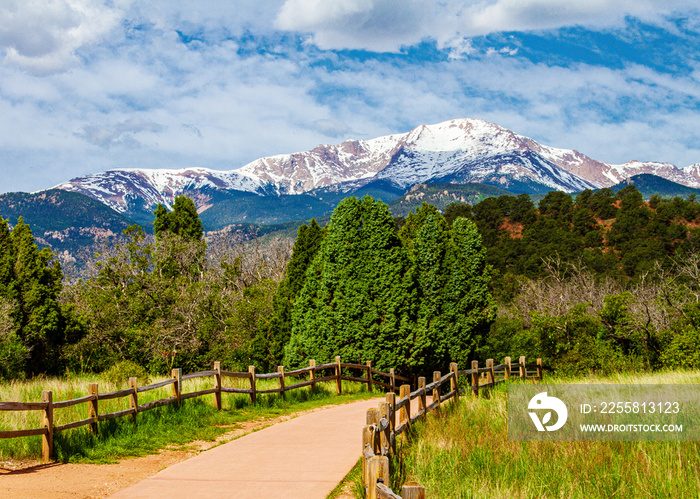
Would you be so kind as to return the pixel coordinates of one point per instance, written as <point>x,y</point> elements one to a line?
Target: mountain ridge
<point>456,151</point>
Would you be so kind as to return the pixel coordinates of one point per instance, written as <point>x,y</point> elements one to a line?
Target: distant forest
<point>598,282</point>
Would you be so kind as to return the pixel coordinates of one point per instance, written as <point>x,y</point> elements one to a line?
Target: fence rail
<point>382,429</point>
<point>387,380</point>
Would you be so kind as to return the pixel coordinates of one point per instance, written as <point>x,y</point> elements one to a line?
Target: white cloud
<point>120,134</point>
<point>387,25</point>
<point>42,36</point>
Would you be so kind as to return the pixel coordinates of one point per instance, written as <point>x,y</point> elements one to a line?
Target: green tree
<point>306,246</point>
<point>183,220</point>
<point>30,280</point>
<point>357,298</point>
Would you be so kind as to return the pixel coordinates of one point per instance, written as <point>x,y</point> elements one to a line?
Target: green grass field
<point>464,452</point>
<point>194,419</point>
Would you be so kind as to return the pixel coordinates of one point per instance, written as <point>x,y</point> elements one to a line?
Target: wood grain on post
<point>338,381</point>
<point>506,373</point>
<point>134,397</point>
<point>177,386</point>
<point>412,490</point>
<point>391,402</point>
<point>522,367</point>
<point>385,435</point>
<point>392,379</point>
<point>491,379</point>
<point>280,369</point>
<point>436,391</point>
<point>312,374</point>
<point>405,414</point>
<point>384,492</point>
<point>93,409</point>
<point>251,376</point>
<point>539,368</point>
<point>454,382</point>
<point>373,419</point>
<point>369,375</point>
<point>475,378</point>
<point>47,421</point>
<point>422,398</point>
<point>367,449</point>
<point>217,385</point>
<point>377,467</point>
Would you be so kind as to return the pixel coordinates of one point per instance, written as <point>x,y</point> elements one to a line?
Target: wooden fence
<point>48,405</point>
<point>383,426</point>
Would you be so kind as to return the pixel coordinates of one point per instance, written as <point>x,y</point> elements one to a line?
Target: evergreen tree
<point>174,231</point>
<point>307,243</point>
<point>32,284</point>
<point>356,301</point>
<point>182,221</point>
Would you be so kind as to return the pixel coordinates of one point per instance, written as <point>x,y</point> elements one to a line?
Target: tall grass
<point>464,452</point>
<point>155,429</point>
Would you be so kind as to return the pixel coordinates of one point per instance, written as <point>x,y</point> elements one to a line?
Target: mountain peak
<point>456,151</point>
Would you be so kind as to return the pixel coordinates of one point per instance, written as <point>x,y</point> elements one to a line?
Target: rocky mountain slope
<point>459,151</point>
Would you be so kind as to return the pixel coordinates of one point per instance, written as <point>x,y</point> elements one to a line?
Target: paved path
<point>305,458</point>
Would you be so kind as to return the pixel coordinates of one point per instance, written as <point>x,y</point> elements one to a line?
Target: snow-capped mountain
<point>120,189</point>
<point>456,151</point>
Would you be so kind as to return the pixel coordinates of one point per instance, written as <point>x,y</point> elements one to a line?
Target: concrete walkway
<point>305,458</point>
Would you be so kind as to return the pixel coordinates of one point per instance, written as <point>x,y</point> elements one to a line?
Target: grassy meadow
<point>464,452</point>
<point>195,419</point>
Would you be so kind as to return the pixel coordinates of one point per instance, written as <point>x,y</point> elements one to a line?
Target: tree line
<point>599,281</point>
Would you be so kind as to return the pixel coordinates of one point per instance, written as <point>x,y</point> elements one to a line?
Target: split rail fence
<point>383,426</point>
<point>315,374</point>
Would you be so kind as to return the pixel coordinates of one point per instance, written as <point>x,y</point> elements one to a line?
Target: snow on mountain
<point>684,176</point>
<point>121,188</point>
<point>461,150</point>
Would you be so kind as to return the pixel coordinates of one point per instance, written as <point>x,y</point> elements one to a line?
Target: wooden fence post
<point>369,375</point>
<point>392,379</point>
<point>436,391</point>
<point>93,409</point>
<point>134,397</point>
<point>373,419</point>
<point>405,414</point>
<point>491,380</point>
<point>422,402</point>
<point>251,376</point>
<point>177,386</point>
<point>391,402</point>
<point>377,467</point>
<point>475,378</point>
<point>367,448</point>
<point>217,384</point>
<point>523,367</point>
<point>455,379</point>
<point>280,369</point>
<point>539,368</point>
<point>338,381</point>
<point>506,374</point>
<point>47,421</point>
<point>384,436</point>
<point>312,374</point>
<point>412,490</point>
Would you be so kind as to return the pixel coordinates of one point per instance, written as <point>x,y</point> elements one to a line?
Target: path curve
<point>305,458</point>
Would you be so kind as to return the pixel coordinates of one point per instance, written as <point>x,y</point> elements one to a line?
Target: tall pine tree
<point>357,298</point>
<point>305,248</point>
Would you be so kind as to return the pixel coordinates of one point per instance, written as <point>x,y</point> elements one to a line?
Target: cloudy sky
<point>89,85</point>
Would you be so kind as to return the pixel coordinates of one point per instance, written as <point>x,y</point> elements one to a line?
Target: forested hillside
<point>595,282</point>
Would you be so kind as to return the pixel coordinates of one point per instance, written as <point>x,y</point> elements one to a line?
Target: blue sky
<point>87,86</point>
